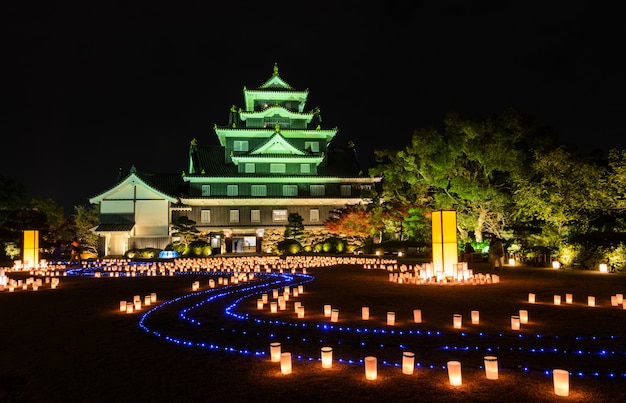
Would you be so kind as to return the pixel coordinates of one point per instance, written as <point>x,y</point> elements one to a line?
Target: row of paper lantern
<point>560,376</point>
<point>30,283</point>
<point>136,303</point>
<point>616,300</point>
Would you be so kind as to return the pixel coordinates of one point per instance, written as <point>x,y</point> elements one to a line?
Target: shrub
<point>289,247</point>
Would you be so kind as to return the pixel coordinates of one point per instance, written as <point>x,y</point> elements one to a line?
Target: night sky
<point>92,88</point>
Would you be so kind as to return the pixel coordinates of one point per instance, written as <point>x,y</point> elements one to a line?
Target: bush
<point>145,253</point>
<point>289,247</point>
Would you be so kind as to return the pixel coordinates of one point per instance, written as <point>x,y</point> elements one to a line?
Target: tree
<point>85,219</point>
<point>563,190</point>
<point>295,227</point>
<point>185,229</point>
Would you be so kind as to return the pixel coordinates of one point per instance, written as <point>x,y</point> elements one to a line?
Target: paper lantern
<point>273,307</point>
<point>561,382</point>
<point>130,307</point>
<point>444,242</point>
<point>365,313</point>
<point>531,297</point>
<point>327,357</point>
<point>285,363</point>
<point>417,315</point>
<point>591,301</point>
<point>475,317</point>
<point>569,298</point>
<point>523,316</point>
<point>153,297</point>
<point>275,351</point>
<point>515,322</point>
<point>613,300</point>
<point>604,268</point>
<point>408,362</point>
<point>491,367</point>
<point>557,300</point>
<point>620,298</point>
<point>454,373</point>
<point>391,318</point>
<point>334,315</point>
<point>259,303</point>
<point>556,264</point>
<point>327,311</point>
<point>296,305</point>
<point>300,289</point>
<point>457,320</point>
<point>122,306</point>
<point>300,312</point>
<point>371,370</point>
<point>274,294</point>
<point>265,298</point>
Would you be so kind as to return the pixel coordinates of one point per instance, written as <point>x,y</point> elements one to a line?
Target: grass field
<point>72,344</point>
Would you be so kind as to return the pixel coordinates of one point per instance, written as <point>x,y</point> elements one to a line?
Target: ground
<point>72,344</point>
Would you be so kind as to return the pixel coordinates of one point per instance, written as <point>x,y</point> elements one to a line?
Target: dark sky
<point>93,87</point>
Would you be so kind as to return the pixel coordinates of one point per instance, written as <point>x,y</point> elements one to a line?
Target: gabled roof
<point>167,185</point>
<point>277,144</point>
<point>275,82</point>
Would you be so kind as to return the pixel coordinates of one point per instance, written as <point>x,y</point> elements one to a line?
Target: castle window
<point>314,215</point>
<point>346,190</point>
<point>205,216</point>
<point>206,190</point>
<point>312,146</point>
<point>249,168</point>
<point>255,215</point>
<point>290,190</point>
<point>278,168</point>
<point>240,145</point>
<point>234,215</point>
<point>305,168</point>
<point>232,190</point>
<point>279,215</point>
<point>317,190</point>
<point>258,190</point>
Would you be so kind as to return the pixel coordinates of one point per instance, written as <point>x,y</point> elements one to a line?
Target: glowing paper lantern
<point>130,307</point>
<point>259,303</point>
<point>417,315</point>
<point>511,262</point>
<point>275,351</point>
<point>365,313</point>
<point>604,268</point>
<point>122,306</point>
<point>296,305</point>
<point>523,316</point>
<point>327,311</point>
<point>569,298</point>
<point>556,264</point>
<point>491,367</point>
<point>30,249</point>
<point>591,301</point>
<point>561,382</point>
<point>557,300</point>
<point>285,363</point>
<point>391,318</point>
<point>371,368</point>
<point>515,322</point>
<point>327,357</point>
<point>146,300</point>
<point>300,312</point>
<point>334,315</point>
<point>454,373</point>
<point>153,297</point>
<point>444,242</point>
<point>264,297</point>
<point>457,320</point>
<point>475,317</point>
<point>408,362</point>
<point>620,298</point>
<point>273,307</point>
<point>531,297</point>
<point>613,300</point>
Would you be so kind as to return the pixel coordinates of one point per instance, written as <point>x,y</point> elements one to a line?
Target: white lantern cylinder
<point>561,382</point>
<point>146,300</point>
<point>613,300</point>
<point>273,307</point>
<point>285,363</point>
<point>300,289</point>
<point>130,307</point>
<point>327,357</point>
<point>327,311</point>
<point>334,315</point>
<point>296,305</point>
<point>153,297</point>
<point>591,301</point>
<point>457,320</point>
<point>408,362</point>
<point>300,312</point>
<point>491,367</point>
<point>275,351</point>
<point>475,317</point>
<point>620,298</point>
<point>259,303</point>
<point>417,315</point>
<point>391,318</point>
<point>604,268</point>
<point>557,300</point>
<point>264,297</point>
<point>371,370</point>
<point>531,297</point>
<point>454,373</point>
<point>365,313</point>
<point>523,316</point>
<point>122,306</point>
<point>569,298</point>
<point>274,294</point>
<point>515,322</point>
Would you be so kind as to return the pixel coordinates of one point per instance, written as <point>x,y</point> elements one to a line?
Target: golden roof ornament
<point>277,128</point>
<point>275,69</point>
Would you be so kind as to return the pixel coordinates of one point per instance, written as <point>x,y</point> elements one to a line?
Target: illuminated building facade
<point>274,158</point>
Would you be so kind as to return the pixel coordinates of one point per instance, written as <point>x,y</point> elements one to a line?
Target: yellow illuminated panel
<point>30,253</point>
<point>445,250</point>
